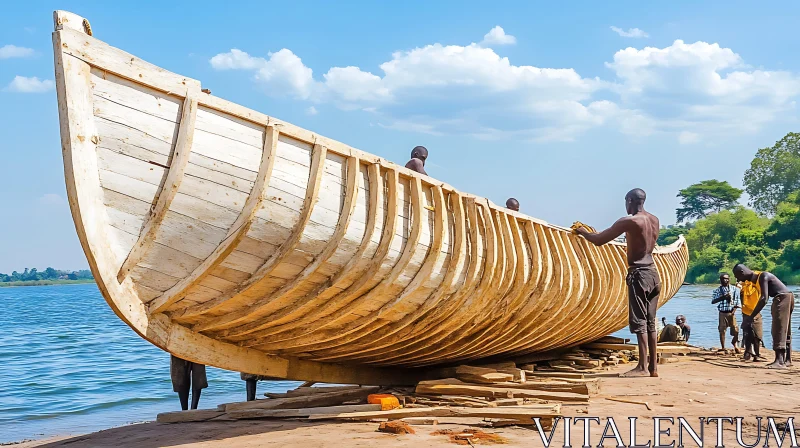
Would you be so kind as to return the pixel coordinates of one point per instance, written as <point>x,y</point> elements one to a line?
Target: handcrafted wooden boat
<point>231,238</point>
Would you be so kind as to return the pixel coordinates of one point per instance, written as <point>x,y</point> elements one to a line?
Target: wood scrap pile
<point>421,405</point>
<point>596,358</point>
<point>499,393</point>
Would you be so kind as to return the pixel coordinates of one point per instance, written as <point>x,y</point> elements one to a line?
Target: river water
<point>68,365</point>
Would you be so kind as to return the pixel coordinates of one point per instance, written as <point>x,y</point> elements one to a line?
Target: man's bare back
<point>641,235</point>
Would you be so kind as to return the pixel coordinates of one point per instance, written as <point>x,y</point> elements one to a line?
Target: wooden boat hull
<point>231,238</point>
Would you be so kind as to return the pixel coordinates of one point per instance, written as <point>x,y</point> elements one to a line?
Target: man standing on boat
<point>418,156</point>
<point>727,301</point>
<point>765,285</point>
<point>512,204</point>
<point>644,285</point>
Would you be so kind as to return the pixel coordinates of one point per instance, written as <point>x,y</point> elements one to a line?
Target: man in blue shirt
<point>727,300</point>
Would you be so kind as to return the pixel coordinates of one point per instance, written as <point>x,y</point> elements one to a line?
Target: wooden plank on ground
<point>591,387</point>
<point>516,413</point>
<point>303,391</point>
<point>302,412</point>
<point>634,348</point>
<point>451,387</point>
<point>316,400</point>
<point>481,375</point>
<point>612,340</point>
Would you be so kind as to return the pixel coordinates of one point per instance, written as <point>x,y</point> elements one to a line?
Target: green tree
<point>702,198</point>
<point>774,173</point>
<point>790,255</point>
<point>786,224</point>
<point>668,235</point>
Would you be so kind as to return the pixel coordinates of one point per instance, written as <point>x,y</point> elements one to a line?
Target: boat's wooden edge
<point>78,140</point>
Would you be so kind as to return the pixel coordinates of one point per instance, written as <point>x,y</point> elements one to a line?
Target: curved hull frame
<point>435,276</point>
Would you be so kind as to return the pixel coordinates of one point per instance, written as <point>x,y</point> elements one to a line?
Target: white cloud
<point>632,32</point>
<point>22,84</point>
<point>498,36</point>
<point>688,138</point>
<point>311,110</point>
<point>12,51</point>
<point>702,87</point>
<point>684,90</point>
<point>282,72</point>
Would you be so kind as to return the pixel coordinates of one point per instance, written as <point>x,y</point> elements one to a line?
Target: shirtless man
<point>644,286</point>
<point>417,162</point>
<point>512,204</point>
<point>782,307</point>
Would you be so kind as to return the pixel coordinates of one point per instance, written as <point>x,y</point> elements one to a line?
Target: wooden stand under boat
<point>233,239</point>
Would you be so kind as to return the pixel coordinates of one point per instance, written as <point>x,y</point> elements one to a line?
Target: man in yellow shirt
<point>768,285</point>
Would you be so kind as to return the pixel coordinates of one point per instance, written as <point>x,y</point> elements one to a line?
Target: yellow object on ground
<point>387,401</point>
<point>577,225</point>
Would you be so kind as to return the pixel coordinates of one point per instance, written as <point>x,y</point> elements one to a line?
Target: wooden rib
<point>318,296</point>
<point>486,291</point>
<point>448,286</point>
<point>530,296</point>
<point>555,311</point>
<point>586,301</point>
<point>480,344</point>
<point>236,232</point>
<point>474,298</point>
<point>382,315</point>
<point>572,306</point>
<point>553,279</point>
<point>494,299</point>
<point>283,295</point>
<point>314,181</point>
<point>166,193</point>
<point>440,314</point>
<point>320,337</point>
<point>300,327</point>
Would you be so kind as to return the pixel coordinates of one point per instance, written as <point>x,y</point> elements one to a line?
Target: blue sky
<point>554,107</point>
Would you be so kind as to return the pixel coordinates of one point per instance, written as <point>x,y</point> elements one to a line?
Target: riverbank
<point>703,386</point>
<point>46,283</point>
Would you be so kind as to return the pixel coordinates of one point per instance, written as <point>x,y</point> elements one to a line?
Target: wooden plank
<point>299,413</point>
<point>99,54</point>
<point>634,348</point>
<point>305,401</point>
<point>357,263</point>
<point>235,234</point>
<point>315,178</point>
<point>303,391</point>
<point>517,413</point>
<point>284,293</point>
<point>572,375</point>
<point>390,309</point>
<point>379,292</point>
<point>449,387</point>
<point>481,375</point>
<point>167,191</point>
<point>374,265</point>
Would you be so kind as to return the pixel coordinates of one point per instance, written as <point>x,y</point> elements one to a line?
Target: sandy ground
<point>703,387</point>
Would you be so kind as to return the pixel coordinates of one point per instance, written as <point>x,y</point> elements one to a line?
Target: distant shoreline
<point>46,282</point>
